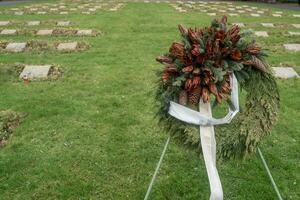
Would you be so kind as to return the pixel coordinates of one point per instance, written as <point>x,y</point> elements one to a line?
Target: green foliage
<point>9,120</point>
<point>260,113</point>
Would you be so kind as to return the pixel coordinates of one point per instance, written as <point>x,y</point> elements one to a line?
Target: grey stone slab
<point>63,23</point>
<point>85,32</point>
<point>8,32</point>
<point>276,15</point>
<point>41,13</point>
<point>296,15</point>
<point>269,25</point>
<point>33,23</point>
<point>239,24</point>
<point>292,47</point>
<point>211,14</point>
<point>67,46</point>
<point>284,72</point>
<point>19,13</point>
<point>44,32</point>
<point>296,25</point>
<point>294,33</point>
<point>261,33</point>
<point>35,71</point>
<point>255,15</point>
<point>16,47</point>
<point>64,13</point>
<point>4,23</point>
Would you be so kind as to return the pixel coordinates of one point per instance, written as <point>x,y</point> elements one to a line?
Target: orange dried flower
<point>193,36</point>
<point>236,55</point>
<point>177,50</point>
<point>195,50</point>
<point>187,69</point>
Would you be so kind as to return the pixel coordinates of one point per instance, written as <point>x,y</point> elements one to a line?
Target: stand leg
<point>208,143</point>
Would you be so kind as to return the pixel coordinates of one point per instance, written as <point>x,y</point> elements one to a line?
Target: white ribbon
<point>207,135</point>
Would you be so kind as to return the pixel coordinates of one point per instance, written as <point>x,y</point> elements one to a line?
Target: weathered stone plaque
<point>292,47</point>
<point>67,46</point>
<point>284,72</point>
<point>44,32</point>
<point>16,47</point>
<point>35,71</point>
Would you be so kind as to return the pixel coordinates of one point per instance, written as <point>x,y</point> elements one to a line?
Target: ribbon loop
<point>207,134</point>
<point>193,117</point>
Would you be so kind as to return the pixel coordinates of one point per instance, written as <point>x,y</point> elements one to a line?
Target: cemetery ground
<point>91,133</point>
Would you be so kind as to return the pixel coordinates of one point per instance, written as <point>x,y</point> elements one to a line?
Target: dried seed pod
<point>213,88</point>
<point>164,59</point>
<point>183,97</point>
<point>189,84</point>
<point>194,96</point>
<point>205,95</point>
<point>187,69</point>
<point>182,29</point>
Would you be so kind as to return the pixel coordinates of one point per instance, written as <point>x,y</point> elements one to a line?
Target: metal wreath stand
<point>208,142</point>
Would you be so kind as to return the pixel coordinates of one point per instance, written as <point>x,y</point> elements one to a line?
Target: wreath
<point>199,68</point>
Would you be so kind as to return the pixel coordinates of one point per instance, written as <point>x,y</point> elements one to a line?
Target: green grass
<point>91,134</point>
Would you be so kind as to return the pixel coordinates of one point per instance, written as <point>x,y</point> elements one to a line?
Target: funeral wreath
<point>199,68</point>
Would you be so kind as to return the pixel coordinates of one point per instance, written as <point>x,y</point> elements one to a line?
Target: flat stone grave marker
<point>41,13</point>
<point>232,14</point>
<point>16,47</point>
<point>285,72</point>
<point>211,14</point>
<point>276,15</point>
<point>8,32</point>
<point>19,13</point>
<point>4,23</point>
<point>292,47</point>
<point>255,15</point>
<point>67,46</point>
<point>35,71</point>
<point>260,12</point>
<point>63,23</point>
<point>241,11</point>
<point>63,13</point>
<point>87,13</point>
<point>270,25</point>
<point>33,23</point>
<point>261,33</point>
<point>294,33</point>
<point>44,32</point>
<point>296,15</point>
<point>53,9</point>
<point>279,12</point>
<point>296,25</point>
<point>84,32</point>
<point>239,24</point>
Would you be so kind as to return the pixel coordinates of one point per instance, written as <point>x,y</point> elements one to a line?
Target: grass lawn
<point>91,134</point>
